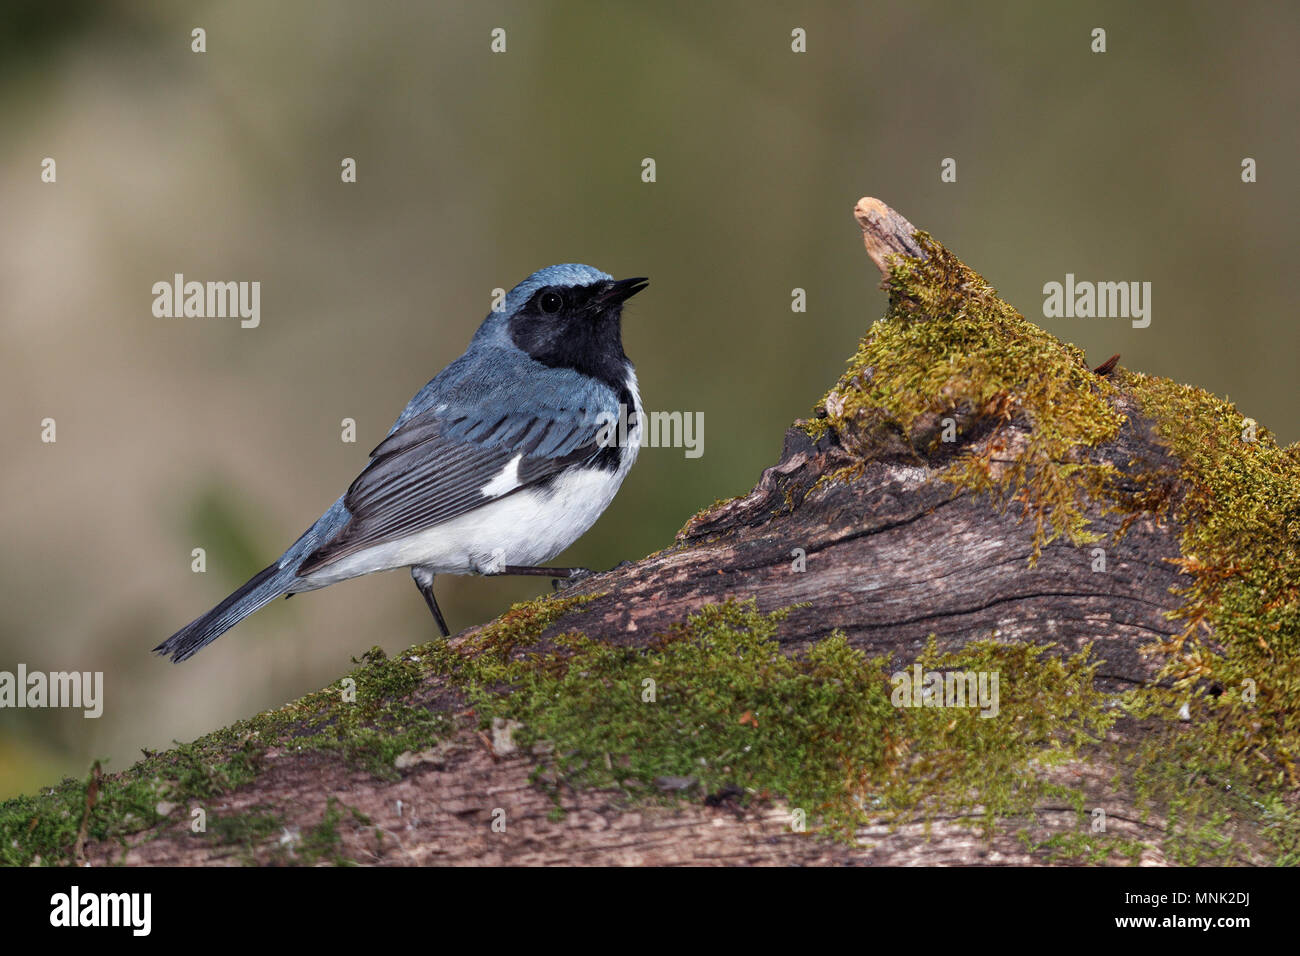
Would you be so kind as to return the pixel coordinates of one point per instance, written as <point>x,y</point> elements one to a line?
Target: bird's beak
<point>622,290</point>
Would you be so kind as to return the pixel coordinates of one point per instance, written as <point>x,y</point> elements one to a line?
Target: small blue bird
<point>500,463</point>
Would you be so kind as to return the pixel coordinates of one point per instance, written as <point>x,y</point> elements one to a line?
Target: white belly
<point>526,527</point>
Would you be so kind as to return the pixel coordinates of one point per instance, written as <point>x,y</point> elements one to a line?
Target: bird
<point>505,458</point>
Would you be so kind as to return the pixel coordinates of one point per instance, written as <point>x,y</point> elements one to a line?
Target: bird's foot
<point>579,574</point>
<point>573,577</point>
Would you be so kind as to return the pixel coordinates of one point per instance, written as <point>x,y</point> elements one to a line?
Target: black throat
<point>583,334</point>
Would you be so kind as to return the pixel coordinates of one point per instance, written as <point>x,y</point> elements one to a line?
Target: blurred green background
<point>475,169</point>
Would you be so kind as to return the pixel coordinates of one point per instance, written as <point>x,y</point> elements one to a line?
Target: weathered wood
<point>885,233</point>
<point>441,814</point>
<point>898,554</point>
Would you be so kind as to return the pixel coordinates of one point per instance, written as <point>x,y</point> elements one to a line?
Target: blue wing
<point>448,451</point>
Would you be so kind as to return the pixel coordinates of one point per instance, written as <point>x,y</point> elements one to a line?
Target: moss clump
<point>518,627</point>
<point>243,833</point>
<point>382,708</point>
<point>715,706</point>
<point>1084,847</point>
<point>43,829</point>
<point>950,352</point>
<point>953,361</point>
<point>1213,811</point>
<point>379,710</point>
<point>249,836</point>
<point>322,843</point>
<point>1239,649</point>
<point>368,717</point>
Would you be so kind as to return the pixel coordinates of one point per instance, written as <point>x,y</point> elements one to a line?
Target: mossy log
<point>970,492</point>
<point>860,525</point>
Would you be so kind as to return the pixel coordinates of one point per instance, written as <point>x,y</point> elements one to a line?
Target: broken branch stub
<point>885,233</point>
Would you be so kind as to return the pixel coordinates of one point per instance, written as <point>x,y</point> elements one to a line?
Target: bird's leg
<point>544,572</point>
<point>424,581</point>
<point>560,577</point>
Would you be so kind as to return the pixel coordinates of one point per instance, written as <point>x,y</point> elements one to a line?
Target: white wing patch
<point>506,482</point>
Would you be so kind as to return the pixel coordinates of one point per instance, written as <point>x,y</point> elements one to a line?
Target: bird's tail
<point>261,589</point>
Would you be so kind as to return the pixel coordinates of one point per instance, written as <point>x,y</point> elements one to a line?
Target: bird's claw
<point>576,575</point>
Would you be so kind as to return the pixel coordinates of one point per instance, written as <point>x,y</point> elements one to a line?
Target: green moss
<point>385,706</point>
<point>261,836</point>
<point>715,705</point>
<point>43,829</point>
<point>379,710</point>
<point>1189,774</point>
<point>520,626</point>
<point>243,833</point>
<point>1240,611</point>
<point>368,717</point>
<point>322,843</point>
<point>950,349</point>
<point>199,772</point>
<point>382,708</point>
<point>1084,847</point>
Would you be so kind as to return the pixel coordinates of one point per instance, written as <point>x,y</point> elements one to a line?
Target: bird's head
<point>569,316</point>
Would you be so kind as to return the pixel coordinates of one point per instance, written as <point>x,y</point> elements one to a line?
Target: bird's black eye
<point>551,302</point>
